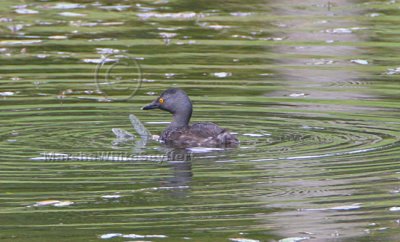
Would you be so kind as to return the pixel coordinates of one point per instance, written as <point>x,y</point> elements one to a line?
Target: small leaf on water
<point>54,203</point>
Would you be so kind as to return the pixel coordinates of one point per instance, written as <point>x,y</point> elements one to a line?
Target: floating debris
<point>218,27</point>
<point>338,208</point>
<point>360,62</point>
<point>148,80</point>
<point>112,23</point>
<point>393,71</point>
<point>243,240</point>
<point>67,6</point>
<point>136,236</point>
<point>5,20</point>
<point>256,135</point>
<point>122,134</point>
<point>54,203</point>
<point>58,37</point>
<point>104,100</point>
<point>167,35</point>
<point>240,14</point>
<point>343,30</point>
<point>169,75</point>
<point>169,29</point>
<point>358,28</point>
<point>110,235</point>
<point>26,11</point>
<point>321,62</point>
<point>147,9</point>
<point>373,15</point>
<point>14,133</point>
<point>16,27</point>
<point>311,127</point>
<point>98,61</point>
<point>298,94</point>
<point>15,78</point>
<point>45,203</point>
<point>183,15</point>
<point>71,14</point>
<point>111,196</point>
<point>19,42</point>
<point>130,236</point>
<point>139,127</point>
<point>222,74</point>
<point>79,23</point>
<point>293,239</point>
<point>107,51</point>
<point>6,94</point>
<point>42,56</point>
<point>243,37</point>
<point>63,204</point>
<point>346,207</point>
<point>101,39</point>
<point>116,7</point>
<point>339,31</point>
<point>272,38</point>
<point>394,209</point>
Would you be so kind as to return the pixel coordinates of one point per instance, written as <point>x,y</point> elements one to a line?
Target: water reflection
<point>181,177</point>
<point>314,68</point>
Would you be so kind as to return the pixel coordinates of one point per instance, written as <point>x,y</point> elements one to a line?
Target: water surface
<point>311,89</point>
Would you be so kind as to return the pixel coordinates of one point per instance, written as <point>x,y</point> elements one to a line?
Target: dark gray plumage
<point>179,133</point>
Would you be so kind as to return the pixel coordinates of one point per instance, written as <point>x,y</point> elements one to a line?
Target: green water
<point>311,88</point>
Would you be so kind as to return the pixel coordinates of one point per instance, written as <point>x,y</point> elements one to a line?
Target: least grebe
<point>179,133</point>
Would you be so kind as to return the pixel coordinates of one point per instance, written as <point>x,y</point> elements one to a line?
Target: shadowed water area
<point>311,88</point>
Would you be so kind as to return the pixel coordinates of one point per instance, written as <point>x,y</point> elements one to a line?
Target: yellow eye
<point>161,100</point>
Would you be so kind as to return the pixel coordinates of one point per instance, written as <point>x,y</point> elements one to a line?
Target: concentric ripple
<point>326,139</point>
